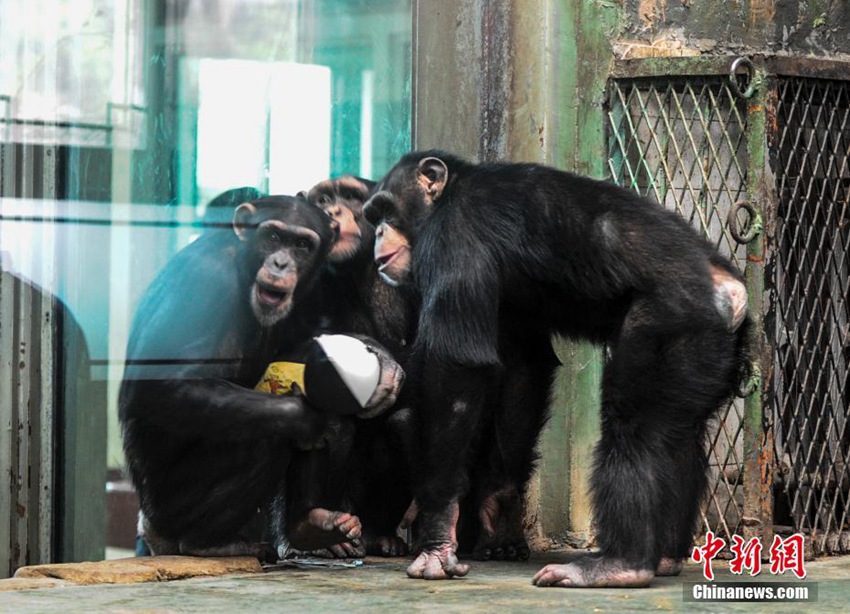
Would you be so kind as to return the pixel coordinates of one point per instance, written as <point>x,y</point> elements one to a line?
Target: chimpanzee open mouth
<point>385,259</point>
<point>271,296</point>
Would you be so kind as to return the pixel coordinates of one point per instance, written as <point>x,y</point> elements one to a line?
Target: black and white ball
<point>336,373</point>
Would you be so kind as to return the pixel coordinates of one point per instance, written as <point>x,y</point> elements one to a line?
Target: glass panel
<point>120,122</point>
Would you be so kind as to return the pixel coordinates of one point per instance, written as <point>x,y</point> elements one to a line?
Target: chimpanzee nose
<point>335,228</point>
<point>281,261</point>
<point>334,211</point>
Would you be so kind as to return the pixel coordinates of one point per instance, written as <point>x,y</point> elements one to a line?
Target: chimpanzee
<point>356,301</point>
<point>204,449</point>
<point>388,312</point>
<point>504,254</point>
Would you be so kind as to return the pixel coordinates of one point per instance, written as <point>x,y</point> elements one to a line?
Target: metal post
<point>758,432</point>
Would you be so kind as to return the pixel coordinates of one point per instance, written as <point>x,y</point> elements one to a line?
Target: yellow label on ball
<point>280,377</point>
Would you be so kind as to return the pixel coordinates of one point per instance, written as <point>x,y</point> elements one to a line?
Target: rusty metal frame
<point>702,66</point>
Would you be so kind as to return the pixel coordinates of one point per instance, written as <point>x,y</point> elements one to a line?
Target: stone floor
<point>380,585</point>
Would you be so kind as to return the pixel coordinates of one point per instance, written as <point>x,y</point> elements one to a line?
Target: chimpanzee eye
<point>375,213</point>
<point>303,244</point>
<point>324,199</point>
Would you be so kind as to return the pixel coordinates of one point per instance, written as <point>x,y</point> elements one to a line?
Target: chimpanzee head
<point>403,201</point>
<point>285,240</point>
<point>342,199</point>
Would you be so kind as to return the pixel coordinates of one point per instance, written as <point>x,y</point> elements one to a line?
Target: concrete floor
<point>380,585</point>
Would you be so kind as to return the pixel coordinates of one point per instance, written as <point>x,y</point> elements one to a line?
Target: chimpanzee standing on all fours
<point>503,254</point>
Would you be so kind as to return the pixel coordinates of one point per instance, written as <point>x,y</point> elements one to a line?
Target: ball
<point>336,373</point>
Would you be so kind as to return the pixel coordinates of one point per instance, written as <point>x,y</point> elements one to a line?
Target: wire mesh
<point>681,141</point>
<point>810,296</point>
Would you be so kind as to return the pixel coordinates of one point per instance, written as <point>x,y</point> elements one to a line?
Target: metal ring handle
<point>751,74</point>
<point>750,229</point>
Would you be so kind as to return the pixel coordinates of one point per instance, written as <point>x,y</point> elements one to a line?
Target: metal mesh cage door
<point>811,281</point>
<point>691,143</point>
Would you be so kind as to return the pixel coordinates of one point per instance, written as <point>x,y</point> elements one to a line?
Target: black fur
<point>205,450</point>
<point>508,254</point>
<point>374,480</point>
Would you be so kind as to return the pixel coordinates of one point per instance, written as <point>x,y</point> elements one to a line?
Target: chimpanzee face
<point>342,199</point>
<point>285,247</point>
<point>403,202</point>
<point>392,238</point>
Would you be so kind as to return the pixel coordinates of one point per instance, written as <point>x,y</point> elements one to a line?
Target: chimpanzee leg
<point>381,484</point>
<point>649,472</point>
<point>238,546</point>
<point>452,399</point>
<point>209,501</point>
<point>692,461</point>
<point>520,416</point>
<point>691,465</point>
<point>316,486</point>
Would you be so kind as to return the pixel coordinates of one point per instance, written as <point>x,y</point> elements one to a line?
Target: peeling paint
<point>810,27</point>
<point>762,11</point>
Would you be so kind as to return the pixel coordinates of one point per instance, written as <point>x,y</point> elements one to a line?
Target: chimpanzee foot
<point>438,530</point>
<point>437,562</point>
<point>347,550</point>
<point>501,550</point>
<point>385,545</point>
<point>321,528</point>
<point>502,537</point>
<point>668,566</point>
<point>594,571</point>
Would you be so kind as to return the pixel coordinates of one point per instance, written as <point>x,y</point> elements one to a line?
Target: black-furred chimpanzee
<point>204,449</point>
<point>356,301</point>
<point>503,255</point>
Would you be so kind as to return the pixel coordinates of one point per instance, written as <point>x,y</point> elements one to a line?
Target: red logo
<point>746,556</point>
<point>785,555</point>
<point>706,554</point>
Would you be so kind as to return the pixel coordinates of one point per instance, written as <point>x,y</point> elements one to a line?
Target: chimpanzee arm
<point>458,321</point>
<point>218,409</point>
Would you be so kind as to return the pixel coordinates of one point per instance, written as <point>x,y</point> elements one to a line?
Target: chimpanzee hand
<point>332,425</point>
<point>438,558</point>
<point>389,385</point>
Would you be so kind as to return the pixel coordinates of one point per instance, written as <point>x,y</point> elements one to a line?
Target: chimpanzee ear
<point>242,219</point>
<point>432,175</point>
